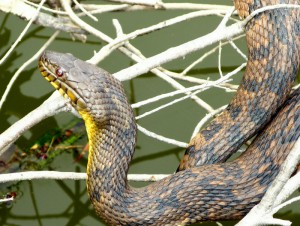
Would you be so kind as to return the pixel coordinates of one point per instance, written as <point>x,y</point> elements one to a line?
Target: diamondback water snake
<point>220,191</point>
<point>273,60</point>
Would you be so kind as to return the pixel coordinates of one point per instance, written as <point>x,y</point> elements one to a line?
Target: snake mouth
<point>57,76</point>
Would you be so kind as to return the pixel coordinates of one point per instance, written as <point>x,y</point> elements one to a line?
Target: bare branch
<point>35,15</point>
<point>263,212</point>
<point>192,46</point>
<point>55,175</point>
<point>28,62</point>
<point>162,6</point>
<point>53,105</point>
<point>274,197</point>
<point>6,199</point>
<point>162,138</point>
<point>205,119</point>
<point>27,12</point>
<point>106,50</point>
<point>84,11</point>
<point>179,51</point>
<point>159,60</point>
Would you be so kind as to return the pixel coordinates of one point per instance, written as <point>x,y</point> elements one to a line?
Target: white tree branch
<point>35,15</point>
<point>6,199</point>
<point>179,51</point>
<point>55,175</point>
<point>119,41</point>
<point>263,212</point>
<point>162,138</point>
<point>159,59</point>
<point>282,186</point>
<point>53,105</point>
<point>27,63</point>
<point>94,8</point>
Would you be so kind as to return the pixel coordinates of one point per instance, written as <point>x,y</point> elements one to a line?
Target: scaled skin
<point>215,192</point>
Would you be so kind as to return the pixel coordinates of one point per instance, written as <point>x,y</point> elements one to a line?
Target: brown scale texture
<point>273,60</point>
<point>223,191</point>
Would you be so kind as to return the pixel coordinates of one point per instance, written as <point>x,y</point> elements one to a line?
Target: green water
<point>49,202</point>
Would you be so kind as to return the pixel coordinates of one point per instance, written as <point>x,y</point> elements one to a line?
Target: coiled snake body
<point>220,191</point>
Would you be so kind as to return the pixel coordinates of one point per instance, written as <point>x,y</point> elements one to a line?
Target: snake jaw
<point>67,88</point>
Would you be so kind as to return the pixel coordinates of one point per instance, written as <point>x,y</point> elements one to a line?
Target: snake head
<point>92,91</point>
<point>59,69</point>
<point>75,79</point>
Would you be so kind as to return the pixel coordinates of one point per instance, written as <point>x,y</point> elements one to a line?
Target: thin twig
<point>203,87</point>
<point>52,106</point>
<point>22,33</point>
<point>162,138</point>
<point>28,62</point>
<point>264,210</point>
<point>116,43</point>
<point>163,6</point>
<point>237,49</point>
<point>84,11</point>
<point>204,56</point>
<point>220,59</point>
<point>6,199</point>
<point>291,185</point>
<point>56,175</point>
<point>166,95</point>
<point>191,46</point>
<point>290,201</point>
<point>205,119</point>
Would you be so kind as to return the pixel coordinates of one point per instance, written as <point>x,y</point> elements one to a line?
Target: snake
<point>206,186</point>
<point>269,75</point>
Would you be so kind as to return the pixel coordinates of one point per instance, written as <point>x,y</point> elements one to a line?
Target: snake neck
<point>111,147</point>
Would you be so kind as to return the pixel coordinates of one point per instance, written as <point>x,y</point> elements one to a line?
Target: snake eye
<point>59,72</point>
